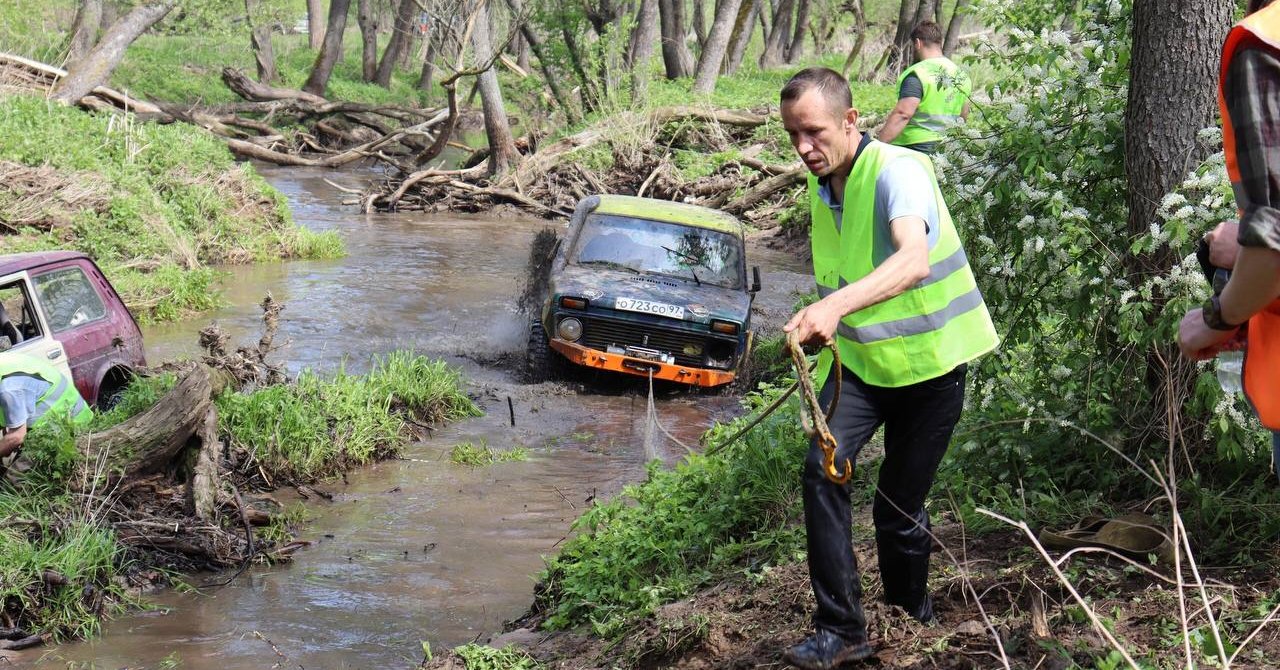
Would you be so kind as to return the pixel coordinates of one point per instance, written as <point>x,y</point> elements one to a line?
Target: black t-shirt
<point>911,88</point>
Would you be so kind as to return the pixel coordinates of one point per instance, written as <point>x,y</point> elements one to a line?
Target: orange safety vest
<point>1262,358</point>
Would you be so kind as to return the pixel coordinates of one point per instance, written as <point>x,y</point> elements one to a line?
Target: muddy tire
<point>541,363</point>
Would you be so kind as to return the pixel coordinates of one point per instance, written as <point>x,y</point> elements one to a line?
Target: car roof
<point>666,210</point>
<point>17,262</point>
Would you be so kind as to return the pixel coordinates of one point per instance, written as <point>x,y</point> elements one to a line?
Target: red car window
<point>68,298</point>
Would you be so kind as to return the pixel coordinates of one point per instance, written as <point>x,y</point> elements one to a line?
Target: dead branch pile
<point>245,368</point>
<point>266,125</point>
<point>45,198</point>
<point>549,181</point>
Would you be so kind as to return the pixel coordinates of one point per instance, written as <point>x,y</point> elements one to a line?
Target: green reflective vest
<point>919,334</point>
<point>946,90</point>
<point>62,398</point>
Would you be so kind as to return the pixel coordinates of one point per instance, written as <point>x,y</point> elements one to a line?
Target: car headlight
<point>569,329</point>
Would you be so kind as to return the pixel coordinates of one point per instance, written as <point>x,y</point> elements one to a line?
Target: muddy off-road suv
<point>644,287</point>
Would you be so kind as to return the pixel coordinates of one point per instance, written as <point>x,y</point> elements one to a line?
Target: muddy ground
<point>750,620</point>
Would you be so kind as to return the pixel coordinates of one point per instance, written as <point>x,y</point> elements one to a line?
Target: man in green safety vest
<point>31,392</point>
<point>933,95</point>
<point>899,301</point>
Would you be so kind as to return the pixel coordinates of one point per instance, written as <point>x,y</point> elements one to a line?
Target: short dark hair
<point>831,84</point>
<point>1255,5</point>
<point>928,32</point>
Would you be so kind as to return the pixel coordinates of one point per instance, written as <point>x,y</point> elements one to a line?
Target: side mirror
<point>755,279</point>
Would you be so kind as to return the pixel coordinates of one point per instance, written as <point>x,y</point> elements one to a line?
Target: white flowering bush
<point>1036,184</point>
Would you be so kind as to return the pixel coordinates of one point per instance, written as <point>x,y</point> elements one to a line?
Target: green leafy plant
<point>482,657</point>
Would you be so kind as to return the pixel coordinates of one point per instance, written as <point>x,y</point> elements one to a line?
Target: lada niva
<point>58,306</point>
<point>646,287</point>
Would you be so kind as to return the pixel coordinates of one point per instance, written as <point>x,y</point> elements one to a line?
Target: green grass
<point>316,427</point>
<point>660,540</point>
<point>478,455</point>
<point>480,657</point>
<point>153,204</point>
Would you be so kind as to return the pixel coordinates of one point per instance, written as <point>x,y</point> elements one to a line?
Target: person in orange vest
<point>1247,314</point>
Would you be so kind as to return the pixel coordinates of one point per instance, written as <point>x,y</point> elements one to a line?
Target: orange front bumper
<point>640,367</point>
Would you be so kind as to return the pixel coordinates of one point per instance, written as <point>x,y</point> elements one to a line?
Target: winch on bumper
<point>627,361</point>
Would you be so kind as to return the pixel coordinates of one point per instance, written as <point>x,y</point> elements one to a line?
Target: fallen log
<point>148,442</point>
<point>765,189</point>
<point>728,117</point>
<point>205,480</point>
<point>24,643</point>
<point>48,75</point>
<point>258,92</point>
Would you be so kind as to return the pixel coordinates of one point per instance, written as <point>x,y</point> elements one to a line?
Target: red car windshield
<point>698,255</point>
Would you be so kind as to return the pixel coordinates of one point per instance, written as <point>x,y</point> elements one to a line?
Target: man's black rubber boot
<point>826,650</point>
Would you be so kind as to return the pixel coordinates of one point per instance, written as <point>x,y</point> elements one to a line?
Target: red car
<point>59,306</point>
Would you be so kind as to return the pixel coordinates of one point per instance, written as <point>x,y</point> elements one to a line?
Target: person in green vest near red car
<point>31,393</point>
<point>933,95</point>
<point>900,302</point>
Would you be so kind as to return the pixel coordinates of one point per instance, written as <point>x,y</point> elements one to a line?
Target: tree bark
<point>256,92</point>
<point>96,67</point>
<point>502,146</point>
<point>331,51</point>
<point>84,32</point>
<point>743,27</point>
<point>367,19</point>
<point>700,22</point>
<point>522,53</point>
<point>428,68</point>
<point>953,27</point>
<point>899,50</point>
<point>315,23</point>
<point>400,35</point>
<point>797,39</point>
<point>676,57</point>
<point>1173,70</point>
<point>1172,92</point>
<point>860,25</point>
<point>715,47</point>
<point>776,43</point>
<point>260,40</point>
<point>643,37</point>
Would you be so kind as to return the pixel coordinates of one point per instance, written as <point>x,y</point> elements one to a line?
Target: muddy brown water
<point>419,549</point>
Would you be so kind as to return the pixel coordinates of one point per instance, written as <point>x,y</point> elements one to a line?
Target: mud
<point>418,549</point>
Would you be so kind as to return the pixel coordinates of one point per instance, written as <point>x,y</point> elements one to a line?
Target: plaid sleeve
<point>1253,99</point>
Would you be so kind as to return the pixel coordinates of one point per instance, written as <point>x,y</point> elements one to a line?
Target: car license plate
<point>649,307</point>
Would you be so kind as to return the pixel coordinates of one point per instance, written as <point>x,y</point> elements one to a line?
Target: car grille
<point>600,333</point>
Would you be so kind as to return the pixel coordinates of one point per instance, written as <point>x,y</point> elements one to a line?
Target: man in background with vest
<point>933,95</point>
<point>1248,310</point>
<point>31,392</point>
<point>899,301</point>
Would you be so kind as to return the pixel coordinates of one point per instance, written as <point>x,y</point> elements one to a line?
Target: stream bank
<point>395,556</point>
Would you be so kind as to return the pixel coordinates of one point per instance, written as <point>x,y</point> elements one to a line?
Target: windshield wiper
<point>690,259</point>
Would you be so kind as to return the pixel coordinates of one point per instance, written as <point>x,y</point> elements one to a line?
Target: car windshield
<point>699,255</point>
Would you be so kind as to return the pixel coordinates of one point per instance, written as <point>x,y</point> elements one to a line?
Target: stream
<point>417,549</point>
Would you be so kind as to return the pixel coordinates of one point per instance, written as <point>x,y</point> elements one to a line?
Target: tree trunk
<point>96,68</point>
<point>1172,92</point>
<point>315,23</point>
<point>766,16</point>
<point>643,37</point>
<point>716,45</point>
<point>797,40</point>
<point>367,19</point>
<point>900,50</point>
<point>502,146</point>
<point>676,57</point>
<point>924,12</point>
<point>400,36</point>
<point>700,22</point>
<point>743,27</point>
<point>522,53</point>
<point>260,40</point>
<point>84,32</point>
<point>778,39</point>
<point>331,51</point>
<point>428,68</point>
<point>1173,70</point>
<point>953,27</point>
<point>860,25</point>
<point>553,82</point>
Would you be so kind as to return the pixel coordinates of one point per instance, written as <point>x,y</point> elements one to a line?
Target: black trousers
<point>918,422</point>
